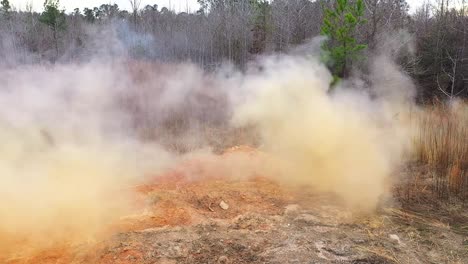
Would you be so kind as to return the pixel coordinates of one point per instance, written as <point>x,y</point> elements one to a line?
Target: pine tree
<point>54,18</point>
<point>339,25</point>
<point>5,7</point>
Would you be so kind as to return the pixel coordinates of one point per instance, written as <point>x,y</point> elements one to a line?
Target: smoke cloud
<point>67,152</point>
<point>75,136</point>
<point>341,142</point>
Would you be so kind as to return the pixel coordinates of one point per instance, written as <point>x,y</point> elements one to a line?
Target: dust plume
<point>76,136</point>
<point>68,155</point>
<point>340,141</point>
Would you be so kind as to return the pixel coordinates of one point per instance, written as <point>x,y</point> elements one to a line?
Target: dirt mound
<point>198,190</point>
<point>194,214</point>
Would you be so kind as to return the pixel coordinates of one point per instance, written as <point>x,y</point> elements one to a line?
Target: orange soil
<point>179,198</point>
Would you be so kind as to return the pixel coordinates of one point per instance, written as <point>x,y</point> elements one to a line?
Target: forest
<point>236,31</point>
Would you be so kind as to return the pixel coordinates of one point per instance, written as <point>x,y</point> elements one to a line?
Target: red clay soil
<point>180,198</point>
<point>194,214</point>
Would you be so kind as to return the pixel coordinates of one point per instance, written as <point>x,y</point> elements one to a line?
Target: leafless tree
<point>135,4</point>
<point>238,30</point>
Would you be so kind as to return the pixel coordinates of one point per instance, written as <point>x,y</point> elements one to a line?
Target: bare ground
<point>256,220</point>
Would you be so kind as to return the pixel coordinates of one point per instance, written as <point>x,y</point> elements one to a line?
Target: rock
<point>395,238</point>
<point>223,260</point>
<point>224,205</point>
<point>359,240</point>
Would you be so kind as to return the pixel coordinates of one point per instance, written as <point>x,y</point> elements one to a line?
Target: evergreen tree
<point>54,19</point>
<point>339,25</point>
<point>5,7</point>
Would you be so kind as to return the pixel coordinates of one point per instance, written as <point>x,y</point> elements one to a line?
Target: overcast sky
<point>178,5</point>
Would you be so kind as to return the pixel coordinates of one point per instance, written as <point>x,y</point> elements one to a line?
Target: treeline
<point>239,30</point>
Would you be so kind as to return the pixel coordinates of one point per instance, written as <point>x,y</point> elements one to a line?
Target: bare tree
<point>237,30</point>
<point>135,4</point>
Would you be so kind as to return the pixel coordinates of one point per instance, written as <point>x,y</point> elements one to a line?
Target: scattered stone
<point>359,240</point>
<point>395,238</point>
<point>224,205</point>
<point>223,260</point>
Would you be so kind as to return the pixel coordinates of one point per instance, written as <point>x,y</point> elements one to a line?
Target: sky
<point>177,5</point>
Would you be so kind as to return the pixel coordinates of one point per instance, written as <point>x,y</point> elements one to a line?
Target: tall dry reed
<point>441,142</point>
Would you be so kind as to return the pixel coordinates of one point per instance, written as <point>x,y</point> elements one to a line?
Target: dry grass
<point>441,144</point>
